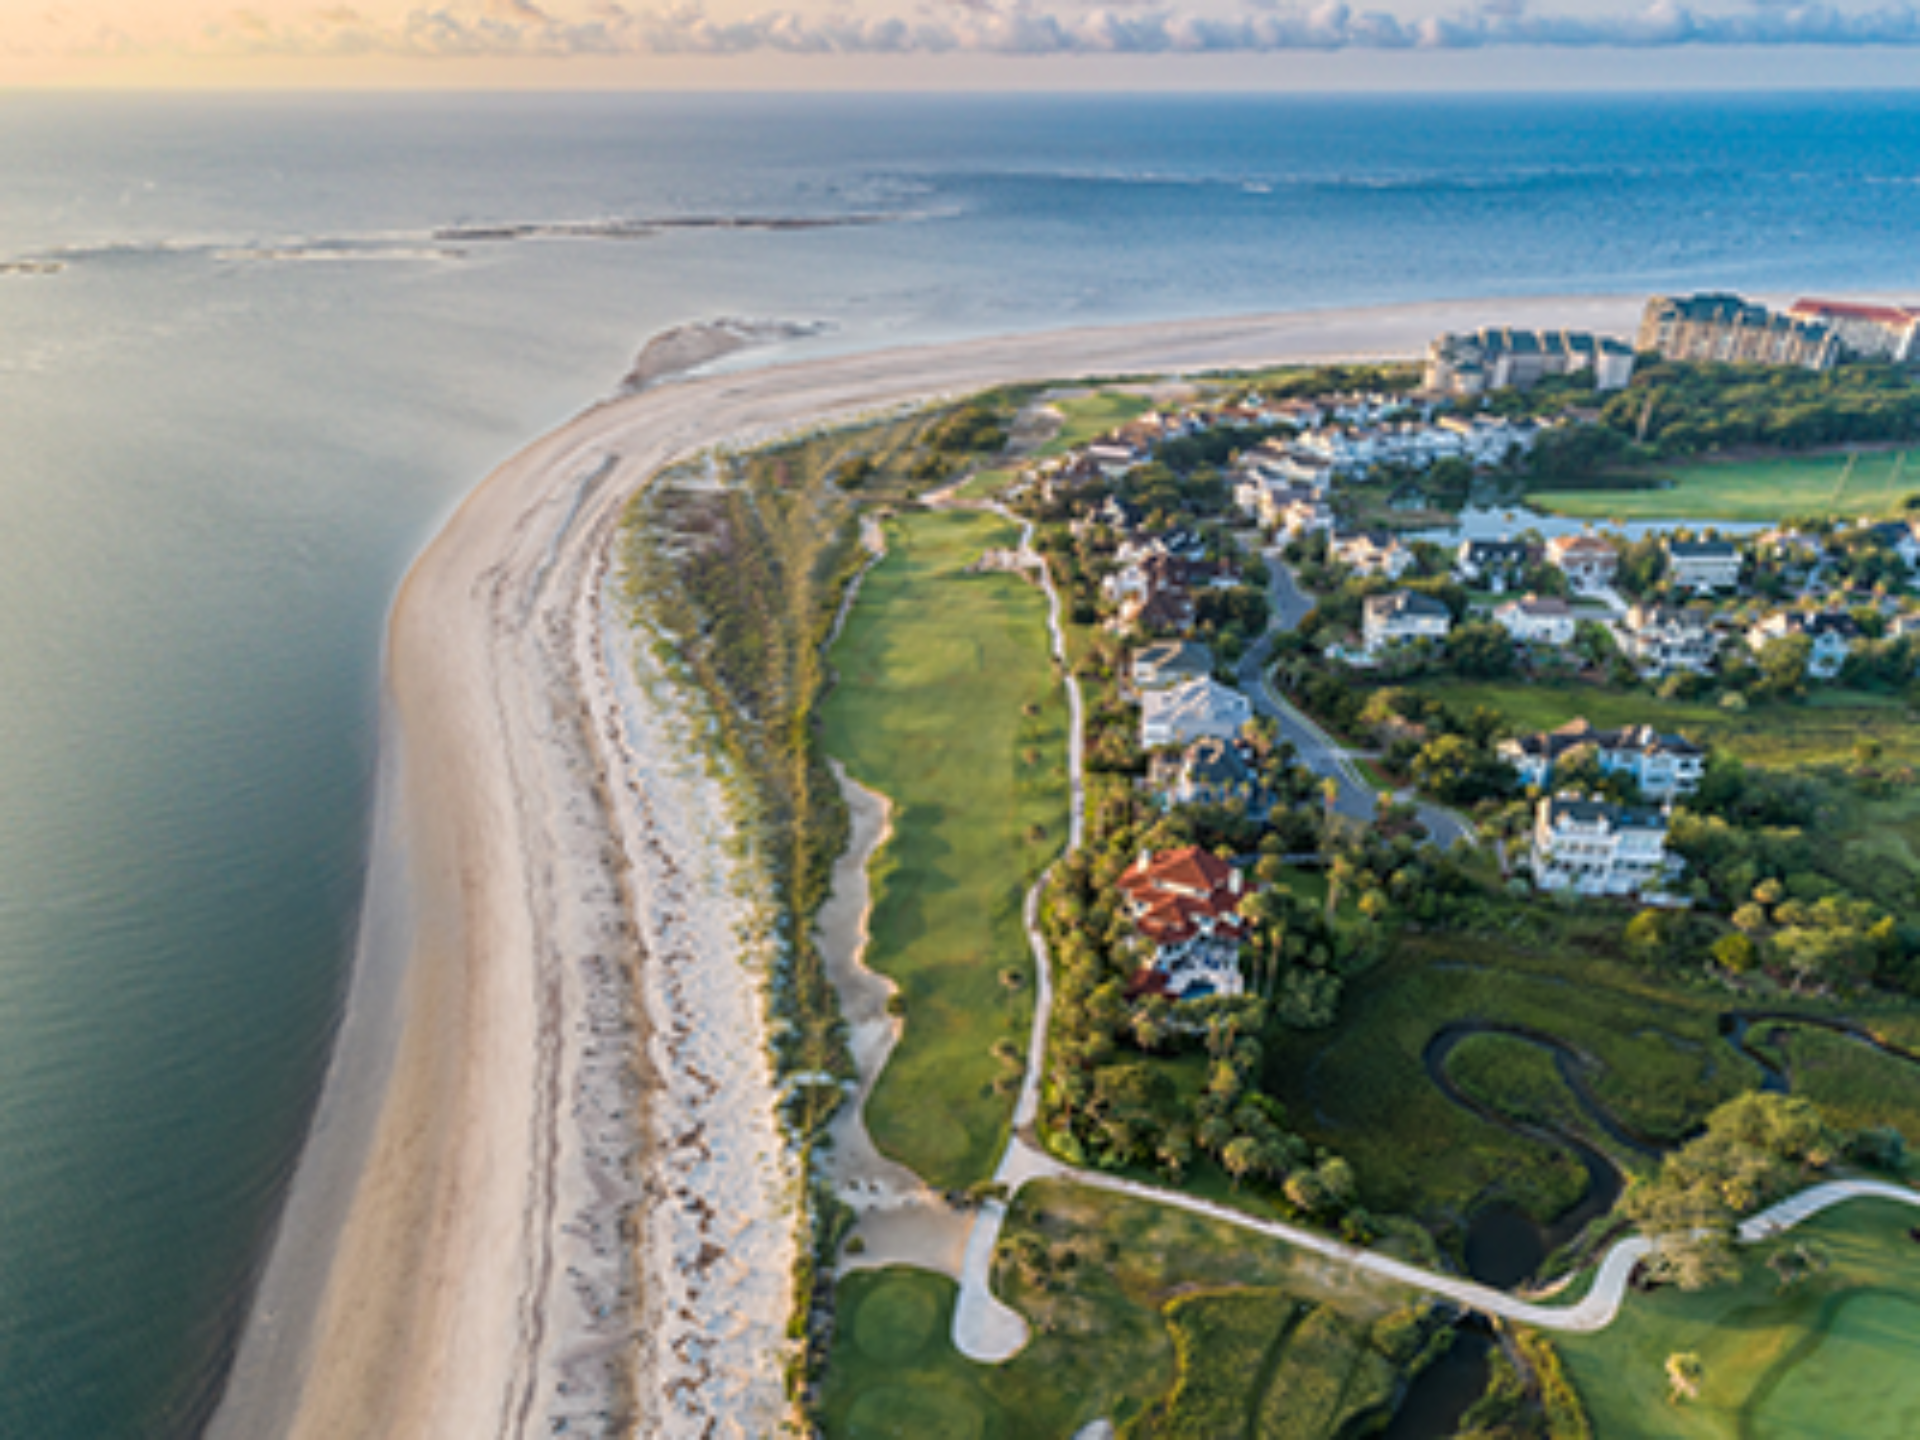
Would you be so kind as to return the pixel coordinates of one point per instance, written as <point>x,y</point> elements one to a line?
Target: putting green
<point>895,1322</point>
<point>1856,1375</point>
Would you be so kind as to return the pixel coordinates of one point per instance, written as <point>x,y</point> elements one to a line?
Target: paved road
<point>1317,750</point>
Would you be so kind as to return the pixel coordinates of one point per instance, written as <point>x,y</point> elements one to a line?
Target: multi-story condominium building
<point>1588,562</point>
<point>1870,332</point>
<point>1501,358</point>
<point>1401,617</point>
<point>1734,331</point>
<point>1703,564</point>
<point>1596,848</point>
<point>1831,634</point>
<point>1534,621</point>
<point>1663,766</point>
<point>1664,638</point>
<point>1371,552</point>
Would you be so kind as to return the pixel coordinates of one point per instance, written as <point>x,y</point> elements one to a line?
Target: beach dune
<point>501,1222</point>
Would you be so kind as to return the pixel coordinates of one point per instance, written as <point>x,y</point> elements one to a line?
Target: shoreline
<point>444,1307</point>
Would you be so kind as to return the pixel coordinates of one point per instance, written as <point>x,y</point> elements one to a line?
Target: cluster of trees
<point>1755,1149</point>
<point>1114,1096</point>
<point>1676,409</point>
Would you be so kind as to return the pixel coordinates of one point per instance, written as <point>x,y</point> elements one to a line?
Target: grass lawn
<point>935,667</point>
<point>1130,1288</point>
<point>1087,417</point>
<point>1771,489</point>
<point>1819,730</point>
<point>1832,1357</point>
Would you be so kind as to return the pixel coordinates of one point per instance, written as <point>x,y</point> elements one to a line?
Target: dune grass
<point>1820,730</point>
<point>1832,1356</point>
<point>1130,1288</point>
<point>936,669</point>
<point>1870,485</point>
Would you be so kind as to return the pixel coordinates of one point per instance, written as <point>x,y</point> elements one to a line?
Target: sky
<point>961,44</point>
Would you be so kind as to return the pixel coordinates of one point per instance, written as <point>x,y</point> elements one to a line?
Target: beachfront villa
<point>1167,663</point>
<point>1664,638</point>
<point>1503,358</point>
<point>1185,906</point>
<point>1596,848</point>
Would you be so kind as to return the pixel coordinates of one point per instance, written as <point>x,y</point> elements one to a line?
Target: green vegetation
<point>1829,1354</point>
<point>1518,1079</point>
<point>1326,1378</point>
<point>1087,416</point>
<point>1824,729</point>
<point>1870,485</point>
<point>1362,1086</point>
<point>735,567</point>
<point>937,671</point>
<point>1853,1084</point>
<point>1117,1292</point>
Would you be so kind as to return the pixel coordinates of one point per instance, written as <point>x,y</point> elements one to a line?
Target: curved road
<point>1317,750</point>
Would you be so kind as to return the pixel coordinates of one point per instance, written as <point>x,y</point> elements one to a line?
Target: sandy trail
<point>573,957</point>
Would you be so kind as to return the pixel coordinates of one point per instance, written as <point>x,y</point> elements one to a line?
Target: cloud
<point>455,29</point>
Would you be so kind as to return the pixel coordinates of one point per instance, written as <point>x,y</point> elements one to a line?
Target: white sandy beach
<point>544,1184</point>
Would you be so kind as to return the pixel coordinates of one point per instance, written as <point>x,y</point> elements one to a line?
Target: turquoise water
<point>260,379</point>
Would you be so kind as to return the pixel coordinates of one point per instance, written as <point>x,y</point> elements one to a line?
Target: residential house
<point>1663,638</point>
<point>1284,505</point>
<point>1597,848</point>
<point>1831,634</point>
<point>1167,663</point>
<point>1899,537</point>
<point>1402,616</point>
<point>1495,565</point>
<point>1163,609</point>
<point>1371,552</point>
<point>1699,565</point>
<point>1185,906</point>
<point>1192,710</point>
<point>1663,766</point>
<point>1534,621</point>
<point>1115,457</point>
<point>1210,772</point>
<point>1588,562</point>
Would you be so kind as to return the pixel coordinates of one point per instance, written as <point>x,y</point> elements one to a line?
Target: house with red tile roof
<point>1185,905</point>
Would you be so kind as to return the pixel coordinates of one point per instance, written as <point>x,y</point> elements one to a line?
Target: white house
<point>1899,536</point>
<point>1663,766</point>
<point>1283,504</point>
<point>1371,552</point>
<point>1192,711</point>
<point>1588,562</point>
<point>1402,616</point>
<point>1833,636</point>
<point>1595,848</point>
<point>1703,564</point>
<point>1534,621</point>
<point>1664,638</point>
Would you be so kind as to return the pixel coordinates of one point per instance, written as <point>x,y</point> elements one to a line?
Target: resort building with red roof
<point>1185,905</point>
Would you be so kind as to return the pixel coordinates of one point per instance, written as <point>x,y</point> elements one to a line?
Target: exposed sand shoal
<point>522,1063</point>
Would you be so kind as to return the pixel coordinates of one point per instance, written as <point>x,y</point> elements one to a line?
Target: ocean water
<point>286,335</point>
